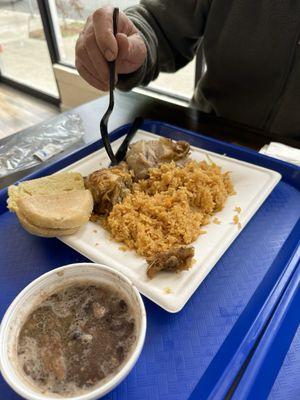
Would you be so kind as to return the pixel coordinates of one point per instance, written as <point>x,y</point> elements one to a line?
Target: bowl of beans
<point>74,332</point>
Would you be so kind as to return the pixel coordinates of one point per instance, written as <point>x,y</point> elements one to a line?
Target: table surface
<point>132,104</point>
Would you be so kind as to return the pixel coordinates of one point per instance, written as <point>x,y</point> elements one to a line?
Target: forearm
<point>171,30</point>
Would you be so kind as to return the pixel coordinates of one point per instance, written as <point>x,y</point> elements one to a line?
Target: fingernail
<point>109,55</point>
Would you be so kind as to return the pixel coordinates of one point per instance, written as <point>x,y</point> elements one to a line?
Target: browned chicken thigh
<point>173,260</point>
<point>143,154</point>
<point>109,186</point>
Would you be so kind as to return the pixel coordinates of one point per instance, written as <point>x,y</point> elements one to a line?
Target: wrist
<point>127,82</point>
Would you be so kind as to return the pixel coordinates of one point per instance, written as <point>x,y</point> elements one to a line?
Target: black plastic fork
<point>105,118</point>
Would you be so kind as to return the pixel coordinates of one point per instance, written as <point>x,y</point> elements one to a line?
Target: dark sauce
<point>76,338</point>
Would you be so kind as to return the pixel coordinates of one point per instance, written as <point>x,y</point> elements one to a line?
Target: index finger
<point>103,28</point>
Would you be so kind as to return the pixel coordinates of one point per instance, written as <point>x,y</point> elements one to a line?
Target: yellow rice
<point>169,208</point>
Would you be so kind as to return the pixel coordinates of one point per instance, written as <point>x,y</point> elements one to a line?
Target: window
<point>179,84</point>
<point>24,55</point>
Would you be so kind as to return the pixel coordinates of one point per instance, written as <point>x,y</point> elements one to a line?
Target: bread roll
<point>61,210</point>
<point>55,205</point>
<point>61,182</point>
<point>44,232</point>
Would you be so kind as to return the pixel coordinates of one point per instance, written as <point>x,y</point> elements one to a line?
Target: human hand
<point>97,44</point>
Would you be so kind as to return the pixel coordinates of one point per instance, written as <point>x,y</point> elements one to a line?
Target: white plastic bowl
<point>41,288</point>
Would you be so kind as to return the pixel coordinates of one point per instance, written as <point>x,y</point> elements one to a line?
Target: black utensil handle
<point>112,64</point>
<point>121,153</point>
<point>104,121</point>
<point>115,20</point>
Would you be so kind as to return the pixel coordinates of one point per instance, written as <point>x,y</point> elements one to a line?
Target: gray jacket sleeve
<point>171,30</point>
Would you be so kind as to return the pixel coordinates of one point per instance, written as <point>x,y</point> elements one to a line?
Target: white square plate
<point>253,184</point>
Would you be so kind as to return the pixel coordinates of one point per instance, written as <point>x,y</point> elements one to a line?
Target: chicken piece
<point>109,186</point>
<point>143,154</point>
<point>173,260</point>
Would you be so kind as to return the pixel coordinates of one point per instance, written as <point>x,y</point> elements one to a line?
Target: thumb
<point>132,53</point>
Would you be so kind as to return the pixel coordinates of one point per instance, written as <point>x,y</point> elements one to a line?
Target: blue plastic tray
<point>274,369</point>
<point>197,353</point>
<point>287,384</point>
